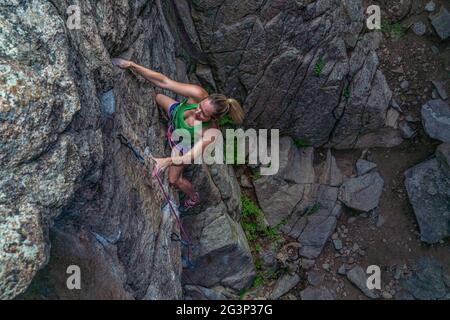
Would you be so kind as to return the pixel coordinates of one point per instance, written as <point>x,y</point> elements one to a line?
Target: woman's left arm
<point>187,158</point>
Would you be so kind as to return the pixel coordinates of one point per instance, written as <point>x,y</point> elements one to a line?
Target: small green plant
<point>398,31</point>
<point>249,208</point>
<point>319,67</point>
<point>312,210</point>
<point>256,175</point>
<point>346,93</point>
<point>242,293</point>
<point>258,281</point>
<point>258,263</point>
<point>272,233</point>
<point>253,222</point>
<point>301,143</point>
<point>258,234</point>
<point>393,30</point>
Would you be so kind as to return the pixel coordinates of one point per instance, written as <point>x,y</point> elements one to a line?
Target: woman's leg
<point>177,180</point>
<point>164,102</point>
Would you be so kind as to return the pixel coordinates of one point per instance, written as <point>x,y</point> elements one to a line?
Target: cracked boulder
<point>427,281</point>
<point>303,205</point>
<point>436,119</point>
<point>428,188</point>
<point>220,254</point>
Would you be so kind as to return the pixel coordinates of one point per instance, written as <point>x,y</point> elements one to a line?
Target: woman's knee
<point>164,102</point>
<point>174,181</point>
<point>160,98</point>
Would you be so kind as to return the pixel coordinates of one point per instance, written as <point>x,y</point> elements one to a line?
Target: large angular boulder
<point>441,23</point>
<point>283,285</point>
<point>436,119</point>
<point>428,190</point>
<point>303,205</point>
<point>427,281</point>
<point>220,254</point>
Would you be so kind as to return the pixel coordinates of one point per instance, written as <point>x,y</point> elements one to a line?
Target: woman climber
<point>197,107</point>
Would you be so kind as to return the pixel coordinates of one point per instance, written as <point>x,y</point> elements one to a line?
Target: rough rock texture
<point>302,198</point>
<point>283,285</point>
<point>428,188</point>
<point>57,162</point>
<point>436,120</point>
<point>320,293</point>
<point>358,277</point>
<point>62,107</point>
<point>283,58</point>
<point>202,293</point>
<point>443,158</point>
<point>220,253</point>
<point>364,166</point>
<point>427,281</point>
<point>40,159</point>
<point>441,23</point>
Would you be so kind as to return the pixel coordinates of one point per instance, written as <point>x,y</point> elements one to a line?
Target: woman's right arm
<point>195,92</point>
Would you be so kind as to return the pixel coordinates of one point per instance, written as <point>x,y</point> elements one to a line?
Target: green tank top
<point>178,119</point>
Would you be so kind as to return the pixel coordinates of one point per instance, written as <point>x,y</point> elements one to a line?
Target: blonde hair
<point>224,106</point>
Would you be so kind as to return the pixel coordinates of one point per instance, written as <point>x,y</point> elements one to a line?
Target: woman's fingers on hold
<point>155,171</point>
<point>121,63</point>
<point>115,61</point>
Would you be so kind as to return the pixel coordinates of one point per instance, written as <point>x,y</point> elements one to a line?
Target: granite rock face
<point>304,204</point>
<point>40,159</point>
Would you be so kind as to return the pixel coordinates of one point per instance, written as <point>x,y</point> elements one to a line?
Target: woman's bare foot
<point>122,63</point>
